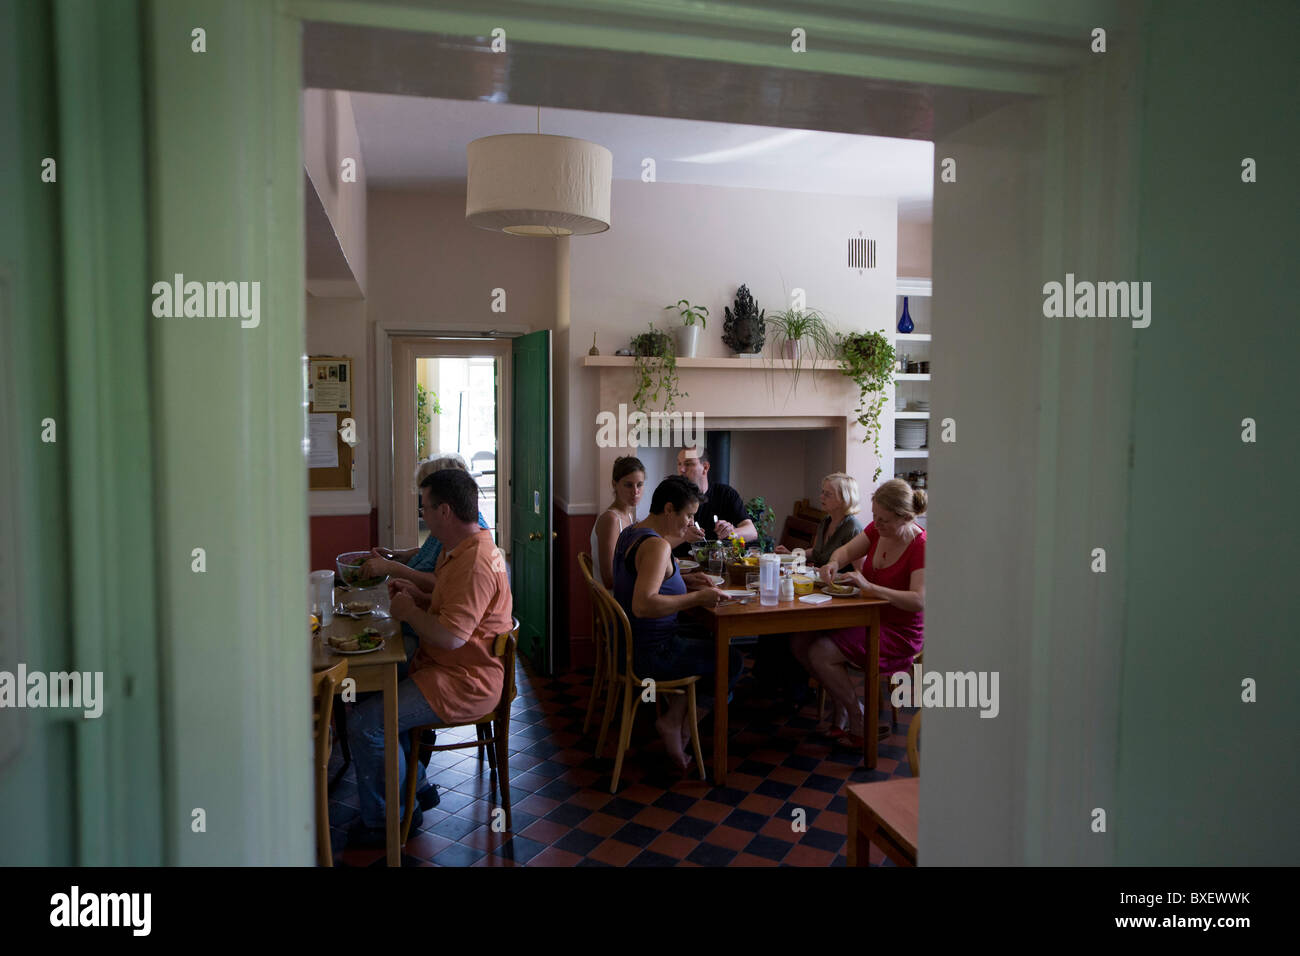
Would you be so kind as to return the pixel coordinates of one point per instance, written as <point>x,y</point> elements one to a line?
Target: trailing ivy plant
<point>426,406</point>
<point>656,371</point>
<point>868,359</point>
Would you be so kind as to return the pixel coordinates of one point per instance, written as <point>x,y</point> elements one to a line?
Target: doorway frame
<point>248,221</point>
<point>405,348</point>
<point>387,335</point>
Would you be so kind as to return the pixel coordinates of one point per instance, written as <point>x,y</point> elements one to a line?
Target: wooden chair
<point>887,813</point>
<point>492,734</point>
<point>600,639</point>
<point>798,533</point>
<point>324,685</point>
<point>619,631</point>
<point>893,711</point>
<point>804,510</point>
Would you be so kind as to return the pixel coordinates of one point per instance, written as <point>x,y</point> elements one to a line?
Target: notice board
<point>329,401</point>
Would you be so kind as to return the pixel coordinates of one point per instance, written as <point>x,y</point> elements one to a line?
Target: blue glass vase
<point>905,324</point>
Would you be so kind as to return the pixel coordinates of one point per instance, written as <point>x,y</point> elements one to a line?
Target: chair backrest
<point>804,510</point>
<point>585,565</point>
<point>324,685</point>
<point>618,629</point>
<point>914,745</point>
<point>506,647</point>
<point>798,533</point>
<point>478,456</point>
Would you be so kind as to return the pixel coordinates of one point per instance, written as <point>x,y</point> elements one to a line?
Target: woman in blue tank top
<point>648,584</point>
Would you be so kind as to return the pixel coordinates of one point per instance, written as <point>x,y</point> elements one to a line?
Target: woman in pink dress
<point>891,552</point>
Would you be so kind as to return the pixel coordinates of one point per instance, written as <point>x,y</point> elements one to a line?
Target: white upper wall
<point>669,241</point>
<point>329,137</point>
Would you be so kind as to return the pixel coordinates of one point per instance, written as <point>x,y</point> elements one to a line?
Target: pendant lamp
<point>530,184</point>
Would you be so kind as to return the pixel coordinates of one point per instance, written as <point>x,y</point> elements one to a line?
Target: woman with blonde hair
<point>841,502</point>
<point>892,555</point>
<point>416,564</point>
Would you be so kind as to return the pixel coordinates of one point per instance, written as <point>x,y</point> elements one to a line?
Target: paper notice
<point>324,440</point>
<point>329,388</point>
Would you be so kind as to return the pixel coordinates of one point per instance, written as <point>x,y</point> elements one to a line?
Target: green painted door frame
<point>531,515</point>
<point>207,714</point>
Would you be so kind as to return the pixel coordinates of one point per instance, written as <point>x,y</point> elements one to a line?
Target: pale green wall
<point>1214,524</point>
<point>37,779</point>
<point>226,195</point>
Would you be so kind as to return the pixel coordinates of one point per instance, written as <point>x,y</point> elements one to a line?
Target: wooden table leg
<point>391,800</point>
<point>723,641</point>
<point>870,741</point>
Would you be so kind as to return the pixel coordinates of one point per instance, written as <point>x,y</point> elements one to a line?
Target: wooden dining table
<point>729,621</point>
<point>376,670</point>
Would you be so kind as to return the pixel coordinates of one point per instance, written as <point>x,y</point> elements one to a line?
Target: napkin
<point>815,598</point>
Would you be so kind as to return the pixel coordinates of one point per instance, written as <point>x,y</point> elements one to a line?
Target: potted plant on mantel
<point>868,359</point>
<point>656,370</point>
<point>794,326</point>
<point>744,330</point>
<point>688,334</point>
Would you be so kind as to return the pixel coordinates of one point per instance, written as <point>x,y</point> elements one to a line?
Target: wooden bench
<point>885,814</point>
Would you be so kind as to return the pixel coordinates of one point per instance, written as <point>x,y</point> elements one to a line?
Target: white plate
<point>736,594</point>
<point>339,612</point>
<point>335,650</point>
<point>371,650</point>
<point>825,589</point>
<point>715,579</point>
<point>688,565</point>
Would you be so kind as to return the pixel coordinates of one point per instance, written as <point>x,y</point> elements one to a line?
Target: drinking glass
<point>751,581</point>
<point>715,561</point>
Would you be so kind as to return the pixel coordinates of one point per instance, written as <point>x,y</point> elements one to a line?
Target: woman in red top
<point>892,555</point>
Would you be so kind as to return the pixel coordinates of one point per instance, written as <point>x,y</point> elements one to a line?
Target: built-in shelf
<point>911,414</point>
<point>905,453</point>
<point>907,285</point>
<point>911,336</point>
<point>912,377</point>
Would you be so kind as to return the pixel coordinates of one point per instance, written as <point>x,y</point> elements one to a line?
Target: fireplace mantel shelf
<point>627,361</point>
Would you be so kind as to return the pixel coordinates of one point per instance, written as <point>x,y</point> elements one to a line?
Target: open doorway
<point>456,411</point>
<point>446,397</point>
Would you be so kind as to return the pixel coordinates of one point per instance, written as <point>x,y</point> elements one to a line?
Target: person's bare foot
<point>673,743</point>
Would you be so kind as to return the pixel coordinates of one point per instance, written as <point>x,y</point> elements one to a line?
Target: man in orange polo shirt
<point>454,675</point>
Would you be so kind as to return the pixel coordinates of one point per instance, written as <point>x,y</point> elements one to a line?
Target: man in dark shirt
<point>722,513</point>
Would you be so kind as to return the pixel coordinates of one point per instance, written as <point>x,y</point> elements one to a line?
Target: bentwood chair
<point>853,668</point>
<point>492,734</point>
<point>324,685</point>
<point>619,631</point>
<point>605,677</point>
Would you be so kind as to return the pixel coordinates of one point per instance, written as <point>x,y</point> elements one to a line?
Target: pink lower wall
<point>572,604</point>
<point>331,535</point>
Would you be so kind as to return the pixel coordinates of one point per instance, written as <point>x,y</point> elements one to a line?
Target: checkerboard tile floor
<point>564,814</point>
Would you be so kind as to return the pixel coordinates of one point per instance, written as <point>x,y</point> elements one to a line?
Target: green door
<point>530,496</point>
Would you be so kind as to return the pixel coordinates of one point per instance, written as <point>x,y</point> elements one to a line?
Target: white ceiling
<point>407,140</point>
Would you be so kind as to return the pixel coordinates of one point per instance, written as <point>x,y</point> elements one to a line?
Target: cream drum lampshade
<point>530,184</point>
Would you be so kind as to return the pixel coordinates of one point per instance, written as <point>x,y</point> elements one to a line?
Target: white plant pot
<point>790,350</point>
<point>688,338</point>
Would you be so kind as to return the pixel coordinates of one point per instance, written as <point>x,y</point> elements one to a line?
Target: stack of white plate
<point>910,435</point>
<point>921,406</point>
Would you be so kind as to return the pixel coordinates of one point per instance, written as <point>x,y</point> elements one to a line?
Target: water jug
<point>769,578</point>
